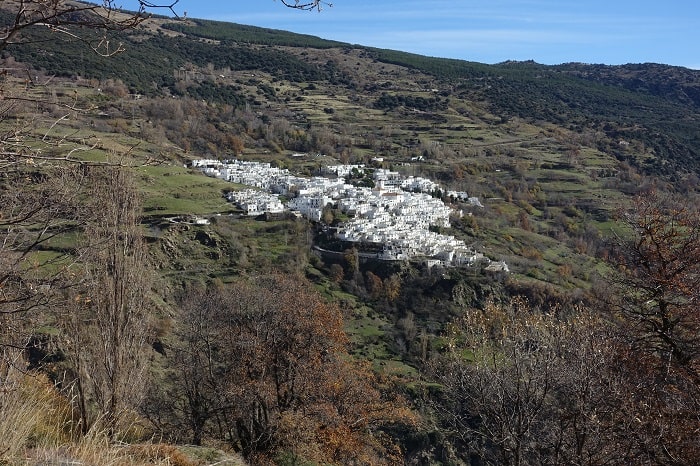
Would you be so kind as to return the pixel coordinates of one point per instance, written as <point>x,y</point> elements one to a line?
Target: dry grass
<point>35,429</point>
<point>94,449</point>
<point>31,413</point>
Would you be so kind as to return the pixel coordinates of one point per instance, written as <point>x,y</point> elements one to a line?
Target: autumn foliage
<point>519,387</point>
<point>262,364</point>
<point>657,285</point>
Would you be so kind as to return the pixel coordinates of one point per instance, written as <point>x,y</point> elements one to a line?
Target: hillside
<point>615,100</point>
<point>558,144</point>
<point>554,153</point>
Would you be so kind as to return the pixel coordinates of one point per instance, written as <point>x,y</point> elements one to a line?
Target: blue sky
<point>490,31</point>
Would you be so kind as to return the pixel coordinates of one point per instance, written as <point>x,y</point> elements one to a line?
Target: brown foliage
<point>652,301</point>
<point>657,418</point>
<point>375,287</point>
<point>521,387</point>
<point>275,375</point>
<point>336,272</point>
<point>392,287</point>
<point>656,289</point>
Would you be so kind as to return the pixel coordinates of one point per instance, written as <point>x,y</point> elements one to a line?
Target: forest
<point>144,320</point>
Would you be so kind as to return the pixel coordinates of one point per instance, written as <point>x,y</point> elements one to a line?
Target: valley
<point>521,271</point>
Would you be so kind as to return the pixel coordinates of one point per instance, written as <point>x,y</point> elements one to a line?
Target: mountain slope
<point>552,152</point>
<point>656,105</point>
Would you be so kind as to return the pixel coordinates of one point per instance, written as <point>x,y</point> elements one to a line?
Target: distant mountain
<point>658,105</point>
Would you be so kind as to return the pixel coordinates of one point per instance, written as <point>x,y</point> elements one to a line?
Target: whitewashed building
<point>396,214</point>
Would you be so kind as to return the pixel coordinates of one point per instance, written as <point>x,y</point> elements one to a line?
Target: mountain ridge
<point>656,107</point>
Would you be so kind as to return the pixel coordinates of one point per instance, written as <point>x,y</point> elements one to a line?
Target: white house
<point>392,214</point>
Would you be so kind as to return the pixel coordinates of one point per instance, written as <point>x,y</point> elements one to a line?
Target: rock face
<point>206,239</point>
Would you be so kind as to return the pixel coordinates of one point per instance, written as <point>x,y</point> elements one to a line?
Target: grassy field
<point>175,190</point>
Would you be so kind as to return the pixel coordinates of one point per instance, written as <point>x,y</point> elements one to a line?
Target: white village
<point>396,213</point>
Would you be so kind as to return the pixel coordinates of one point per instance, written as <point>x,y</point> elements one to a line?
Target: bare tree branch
<point>309,5</point>
<point>73,18</point>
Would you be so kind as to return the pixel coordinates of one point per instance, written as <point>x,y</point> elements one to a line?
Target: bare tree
<point>656,284</point>
<point>37,209</point>
<point>96,26</point>
<point>652,299</point>
<point>40,181</point>
<point>306,5</point>
<point>74,18</point>
<point>522,388</point>
<point>194,395</point>
<point>110,321</point>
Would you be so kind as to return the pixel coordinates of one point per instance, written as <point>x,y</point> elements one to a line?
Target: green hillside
<point>654,104</point>
<point>361,365</point>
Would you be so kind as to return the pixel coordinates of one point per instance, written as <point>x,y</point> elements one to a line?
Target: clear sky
<point>489,31</point>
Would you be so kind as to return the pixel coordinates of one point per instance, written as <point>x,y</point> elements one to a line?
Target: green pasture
<point>176,190</point>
